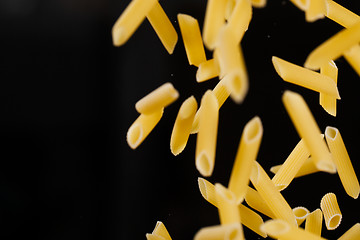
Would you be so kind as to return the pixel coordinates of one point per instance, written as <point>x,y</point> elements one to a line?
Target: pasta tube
<point>213,21</point>
<point>245,157</point>
<point>254,200</point>
<point>313,222</point>
<point>142,127</point>
<point>258,3</point>
<point>130,20</point>
<point>191,35</point>
<point>207,70</point>
<point>307,168</point>
<point>227,206</point>
<point>301,4</point>
<point>207,190</point>
<point>273,198</point>
<point>163,27</point>
<point>326,101</point>
<point>352,56</point>
<point>341,15</point>
<point>159,233</point>
<point>307,128</point>
<point>183,123</point>
<point>157,99</point>
<point>280,229</point>
<point>331,210</point>
<point>251,220</point>
<point>291,166</point>
<point>240,19</point>
<point>317,10</point>
<point>352,234</point>
<point>227,232</point>
<point>342,161</point>
<point>206,138</point>
<point>295,74</point>
<point>334,47</point>
<point>301,214</point>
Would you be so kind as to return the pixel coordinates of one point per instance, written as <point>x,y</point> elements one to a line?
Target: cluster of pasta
<point>225,24</point>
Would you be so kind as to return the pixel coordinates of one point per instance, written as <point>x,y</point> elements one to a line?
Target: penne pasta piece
<point>221,93</point>
<point>157,99</point>
<point>258,3</point>
<point>245,157</point>
<point>150,236</point>
<point>207,70</point>
<point>229,8</point>
<point>163,27</point>
<point>273,198</point>
<point>182,127</point>
<point>227,205</point>
<point>301,214</point>
<point>307,168</point>
<point>159,233</point>
<point>207,190</point>
<point>313,222</point>
<point>334,47</point>
<point>331,211</point>
<point>280,229</point>
<point>130,20</point>
<point>328,102</point>
<point>226,232</point>
<point>317,10</point>
<point>352,56</point>
<point>240,19</point>
<point>191,35</point>
<point>352,234</point>
<point>291,166</point>
<point>298,75</point>
<point>142,127</point>
<point>237,84</point>
<point>341,15</point>
<point>254,200</point>
<point>301,4</point>
<point>213,22</point>
<point>307,128</point>
<point>251,220</point>
<point>342,161</point>
<point>206,138</point>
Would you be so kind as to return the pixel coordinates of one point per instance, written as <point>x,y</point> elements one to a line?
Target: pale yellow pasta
<point>227,205</point>
<point>273,198</point>
<point>301,4</point>
<point>191,36</point>
<point>341,15</point>
<point>142,127</point>
<point>237,84</point>
<point>159,233</point>
<point>207,70</point>
<point>207,135</point>
<point>246,155</point>
<point>280,229</point>
<point>240,19</point>
<point>254,200</point>
<point>307,168</point>
<point>207,190</point>
<point>258,3</point>
<point>224,232</point>
<point>334,47</point>
<point>307,128</point>
<point>301,214</point>
<point>163,27</point>
<point>331,211</point>
<point>317,10</point>
<point>251,220</point>
<point>230,5</point>
<point>291,166</point>
<point>329,102</point>
<point>130,20</point>
<point>150,236</point>
<point>182,127</point>
<point>213,22</point>
<point>301,76</point>
<point>313,222</point>
<point>342,161</point>
<point>157,99</point>
<point>221,93</point>
<point>352,56</point>
<point>352,234</point>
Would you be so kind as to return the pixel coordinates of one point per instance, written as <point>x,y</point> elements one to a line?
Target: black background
<point>67,98</point>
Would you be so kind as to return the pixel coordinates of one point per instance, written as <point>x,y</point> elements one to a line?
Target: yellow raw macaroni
<point>307,168</point>
<point>239,19</point>
<point>254,200</point>
<point>142,127</point>
<point>258,3</point>
<point>207,190</point>
<point>307,128</point>
<point>301,214</point>
<point>317,10</point>
<point>342,161</point>
<point>245,157</point>
<point>157,99</point>
<point>226,232</point>
<point>191,35</point>
<point>331,211</point>
<point>326,101</point>
<point>301,4</point>
<point>206,138</point>
<point>159,233</point>
<point>313,222</point>
<point>352,234</point>
<point>341,15</point>
<point>227,206</point>
<point>352,56</point>
<point>182,127</point>
<point>207,70</point>
<point>252,220</point>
